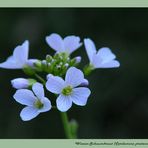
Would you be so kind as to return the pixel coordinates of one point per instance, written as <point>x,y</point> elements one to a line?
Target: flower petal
<point>84,83</point>
<point>63,103</point>
<point>74,77</point>
<point>47,105</point>
<point>96,61</point>
<point>29,113</point>
<point>25,97</point>
<point>80,95</point>
<point>90,48</point>
<point>71,43</point>
<point>106,54</point>
<point>11,63</point>
<point>20,83</point>
<point>55,84</point>
<point>111,64</point>
<point>21,53</point>
<point>55,42</point>
<point>38,90</point>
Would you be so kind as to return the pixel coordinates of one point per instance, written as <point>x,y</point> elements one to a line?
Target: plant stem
<point>66,125</point>
<point>40,78</point>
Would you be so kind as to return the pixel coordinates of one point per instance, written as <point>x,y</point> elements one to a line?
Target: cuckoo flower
<point>19,58</point>
<point>68,90</point>
<point>103,58</point>
<point>68,45</point>
<point>35,104</point>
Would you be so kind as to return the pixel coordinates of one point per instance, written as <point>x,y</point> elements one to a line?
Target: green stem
<point>40,78</point>
<point>66,125</point>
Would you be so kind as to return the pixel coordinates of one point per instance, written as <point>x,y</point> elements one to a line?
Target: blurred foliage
<point>118,106</point>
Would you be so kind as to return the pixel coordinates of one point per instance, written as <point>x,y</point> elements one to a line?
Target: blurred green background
<point>118,105</point>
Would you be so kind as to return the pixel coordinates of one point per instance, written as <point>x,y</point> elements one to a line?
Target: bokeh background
<point>118,105</point>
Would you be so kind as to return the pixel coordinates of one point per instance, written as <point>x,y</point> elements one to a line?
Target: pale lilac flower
<point>20,83</point>
<point>69,44</point>
<point>67,90</point>
<point>103,58</point>
<point>19,58</point>
<point>35,104</point>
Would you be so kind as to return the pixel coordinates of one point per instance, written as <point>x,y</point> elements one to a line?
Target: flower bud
<point>20,83</point>
<point>44,62</point>
<point>49,76</point>
<point>78,59</point>
<point>31,62</point>
<point>88,69</point>
<point>58,66</point>
<point>38,64</point>
<point>28,70</point>
<point>49,64</point>
<point>61,63</point>
<point>66,65</point>
<point>49,58</point>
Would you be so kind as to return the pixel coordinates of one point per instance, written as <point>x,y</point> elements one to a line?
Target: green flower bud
<point>38,65</point>
<point>88,69</point>
<point>49,58</point>
<point>31,82</point>
<point>28,70</point>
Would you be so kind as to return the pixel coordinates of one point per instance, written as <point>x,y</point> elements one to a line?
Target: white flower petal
<point>106,54</point>
<point>21,53</point>
<point>111,64</point>
<point>38,90</point>
<point>20,83</point>
<point>84,83</point>
<point>80,95</point>
<point>29,113</point>
<point>71,43</point>
<point>18,59</point>
<point>97,61</point>
<point>55,42</point>
<point>63,103</point>
<point>25,97</point>
<point>11,63</point>
<point>47,105</point>
<point>74,77</point>
<point>90,48</point>
<point>55,84</point>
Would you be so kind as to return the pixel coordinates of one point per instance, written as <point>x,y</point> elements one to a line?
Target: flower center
<point>67,91</point>
<point>38,104</point>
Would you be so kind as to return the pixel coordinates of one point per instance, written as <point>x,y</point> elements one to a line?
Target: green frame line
<point>74,3</point>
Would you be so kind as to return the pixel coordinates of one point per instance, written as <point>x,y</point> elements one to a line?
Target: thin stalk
<point>40,78</point>
<point>66,125</point>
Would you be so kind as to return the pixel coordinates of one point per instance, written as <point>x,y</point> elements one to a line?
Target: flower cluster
<point>63,78</point>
